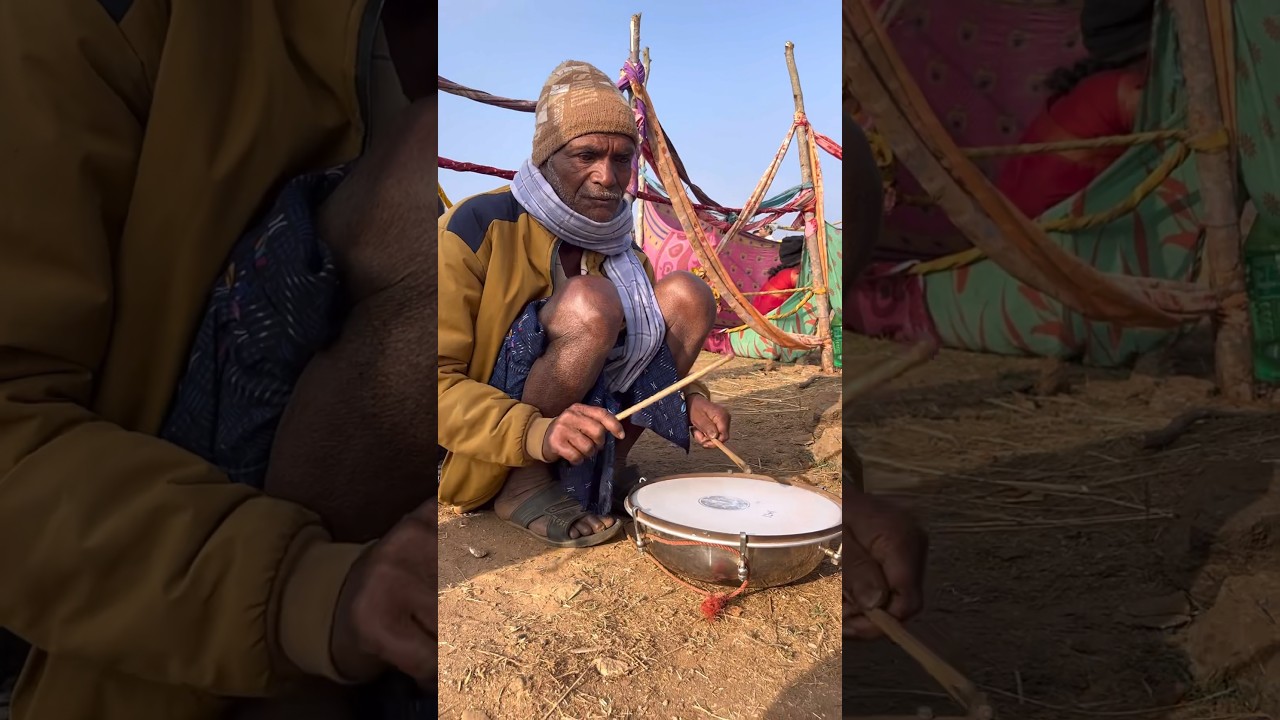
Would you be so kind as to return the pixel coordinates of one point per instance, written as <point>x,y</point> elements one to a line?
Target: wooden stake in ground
<point>1233,351</point>
<point>817,268</point>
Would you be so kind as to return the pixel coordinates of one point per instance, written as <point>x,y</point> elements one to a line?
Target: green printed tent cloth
<point>797,315</point>
<point>981,307</point>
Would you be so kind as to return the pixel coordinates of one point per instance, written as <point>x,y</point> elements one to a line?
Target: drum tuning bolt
<point>835,555</point>
<point>742,557</point>
<point>640,542</point>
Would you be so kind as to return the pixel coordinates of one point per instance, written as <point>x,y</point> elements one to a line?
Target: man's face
<point>591,172</point>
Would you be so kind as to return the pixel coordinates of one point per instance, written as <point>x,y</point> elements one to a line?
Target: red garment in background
<point>1103,104</point>
<point>784,280</point>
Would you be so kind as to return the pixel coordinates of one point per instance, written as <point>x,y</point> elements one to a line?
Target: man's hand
<point>386,612</point>
<point>579,432</point>
<point>884,561</point>
<point>708,419</point>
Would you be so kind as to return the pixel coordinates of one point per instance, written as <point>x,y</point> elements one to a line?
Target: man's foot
<point>531,500</point>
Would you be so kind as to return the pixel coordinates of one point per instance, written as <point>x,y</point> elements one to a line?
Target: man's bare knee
<point>686,299</point>
<point>586,307</point>
<point>374,220</point>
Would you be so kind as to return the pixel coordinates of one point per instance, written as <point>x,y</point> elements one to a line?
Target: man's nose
<point>604,174</point>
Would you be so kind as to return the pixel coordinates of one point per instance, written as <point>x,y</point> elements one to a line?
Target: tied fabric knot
<point>634,72</point>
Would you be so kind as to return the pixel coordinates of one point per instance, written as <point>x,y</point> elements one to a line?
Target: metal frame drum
<point>730,558</point>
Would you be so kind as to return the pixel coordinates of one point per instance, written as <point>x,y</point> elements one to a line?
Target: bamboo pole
<point>1233,351</point>
<point>817,268</point>
<point>716,272</point>
<point>641,185</point>
<point>637,162</point>
<point>634,57</point>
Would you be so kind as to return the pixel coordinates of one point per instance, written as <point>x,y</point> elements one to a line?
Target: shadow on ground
<point>1074,573</point>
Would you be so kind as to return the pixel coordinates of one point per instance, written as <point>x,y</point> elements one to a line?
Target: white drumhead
<point>732,504</point>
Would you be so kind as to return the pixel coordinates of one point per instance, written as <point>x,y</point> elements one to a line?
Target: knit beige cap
<point>578,100</point>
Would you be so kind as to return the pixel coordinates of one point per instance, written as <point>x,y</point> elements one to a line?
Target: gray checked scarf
<point>646,330</point>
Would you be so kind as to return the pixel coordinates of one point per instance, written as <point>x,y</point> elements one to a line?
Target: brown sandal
<point>561,512</point>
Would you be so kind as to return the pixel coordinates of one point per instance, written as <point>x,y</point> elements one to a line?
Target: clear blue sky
<point>718,78</point>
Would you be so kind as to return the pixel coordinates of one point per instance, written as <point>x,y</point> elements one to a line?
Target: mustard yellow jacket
<point>138,141</point>
<point>494,260</point>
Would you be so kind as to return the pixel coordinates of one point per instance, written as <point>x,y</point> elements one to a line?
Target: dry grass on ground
<point>530,632</point>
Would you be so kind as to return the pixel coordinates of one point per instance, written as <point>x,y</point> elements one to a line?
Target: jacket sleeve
<point>476,419</point>
<point>115,546</point>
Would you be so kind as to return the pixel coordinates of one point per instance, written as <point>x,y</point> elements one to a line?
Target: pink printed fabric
<point>747,258</point>
<point>981,66</point>
<point>888,303</point>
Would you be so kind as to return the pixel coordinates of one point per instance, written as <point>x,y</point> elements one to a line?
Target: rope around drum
<point>713,603</point>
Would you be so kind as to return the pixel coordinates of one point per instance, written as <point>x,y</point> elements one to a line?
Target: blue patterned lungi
<point>591,483</point>
<point>276,305</point>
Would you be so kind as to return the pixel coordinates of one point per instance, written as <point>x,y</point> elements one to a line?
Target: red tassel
<point>713,606</point>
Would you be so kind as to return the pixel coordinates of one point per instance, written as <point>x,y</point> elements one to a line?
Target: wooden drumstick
<point>732,455</point>
<point>886,371</point>
<point>679,384</point>
<point>956,685</point>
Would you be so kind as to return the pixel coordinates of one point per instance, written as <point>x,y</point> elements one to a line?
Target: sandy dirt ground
<point>534,633</point>
<point>1082,565</point>
<point>1085,563</point>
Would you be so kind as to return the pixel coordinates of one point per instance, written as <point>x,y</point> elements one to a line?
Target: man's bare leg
<point>582,321</point>
<point>689,308</point>
<point>351,445</point>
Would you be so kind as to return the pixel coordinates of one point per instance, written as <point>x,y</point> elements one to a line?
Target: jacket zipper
<point>364,61</point>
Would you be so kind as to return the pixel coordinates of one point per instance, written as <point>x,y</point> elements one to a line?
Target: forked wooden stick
<point>679,384</point>
<point>732,456</point>
<point>958,686</point>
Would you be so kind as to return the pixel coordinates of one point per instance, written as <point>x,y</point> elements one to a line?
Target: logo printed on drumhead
<point>721,502</point>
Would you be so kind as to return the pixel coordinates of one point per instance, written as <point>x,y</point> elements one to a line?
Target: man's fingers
<point>904,572</point>
<point>413,652</point>
<point>703,439</point>
<point>607,419</point>
<point>864,582</point>
<point>570,441</point>
<point>399,637</point>
<point>904,605</point>
<point>567,451</point>
<point>859,627</point>
<point>582,445</point>
<point>590,427</point>
<point>722,427</point>
<point>585,442</point>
